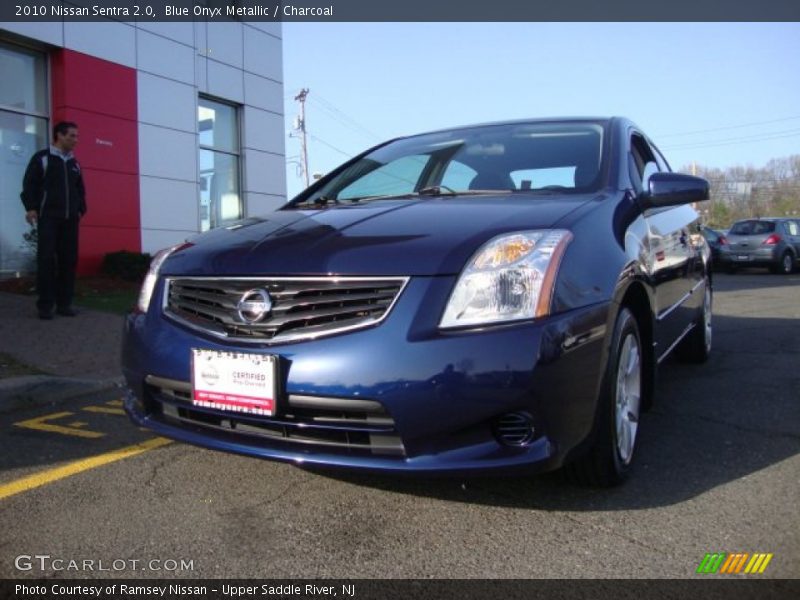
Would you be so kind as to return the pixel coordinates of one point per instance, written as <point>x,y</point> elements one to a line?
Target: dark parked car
<point>768,242</point>
<point>715,240</point>
<point>483,299</point>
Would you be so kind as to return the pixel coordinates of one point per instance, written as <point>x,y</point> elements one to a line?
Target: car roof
<point>597,120</point>
<point>771,219</point>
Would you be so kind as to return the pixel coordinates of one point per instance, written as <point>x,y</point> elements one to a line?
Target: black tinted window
<point>752,227</point>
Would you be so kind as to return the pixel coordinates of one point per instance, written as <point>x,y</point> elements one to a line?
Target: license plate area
<point>240,382</point>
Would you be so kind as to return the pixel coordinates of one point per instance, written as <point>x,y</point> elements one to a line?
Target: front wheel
<point>609,459</point>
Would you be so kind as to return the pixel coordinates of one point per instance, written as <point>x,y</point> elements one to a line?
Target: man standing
<point>54,197</point>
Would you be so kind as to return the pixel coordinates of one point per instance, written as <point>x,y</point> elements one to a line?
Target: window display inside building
<point>23,131</point>
<point>220,199</point>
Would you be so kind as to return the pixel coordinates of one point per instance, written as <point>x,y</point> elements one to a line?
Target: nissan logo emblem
<point>254,306</point>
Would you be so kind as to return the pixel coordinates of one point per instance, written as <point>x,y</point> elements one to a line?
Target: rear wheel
<point>696,346</point>
<point>609,458</point>
<point>786,265</point>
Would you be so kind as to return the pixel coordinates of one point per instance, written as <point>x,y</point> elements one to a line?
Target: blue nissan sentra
<point>485,299</point>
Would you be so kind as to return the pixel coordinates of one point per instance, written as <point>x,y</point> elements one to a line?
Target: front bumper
<point>433,399</point>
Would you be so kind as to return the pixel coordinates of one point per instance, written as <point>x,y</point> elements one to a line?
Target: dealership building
<point>181,127</point>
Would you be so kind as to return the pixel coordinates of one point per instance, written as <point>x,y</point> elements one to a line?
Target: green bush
<point>130,266</point>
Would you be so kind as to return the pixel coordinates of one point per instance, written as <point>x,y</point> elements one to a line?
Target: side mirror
<point>672,189</point>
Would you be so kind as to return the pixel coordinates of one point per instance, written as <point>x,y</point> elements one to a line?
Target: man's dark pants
<point>56,259</point>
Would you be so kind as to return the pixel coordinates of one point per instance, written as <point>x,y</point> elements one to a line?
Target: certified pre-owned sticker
<point>234,381</point>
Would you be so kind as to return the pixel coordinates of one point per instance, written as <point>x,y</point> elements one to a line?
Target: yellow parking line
<point>42,424</point>
<point>104,410</point>
<point>51,475</point>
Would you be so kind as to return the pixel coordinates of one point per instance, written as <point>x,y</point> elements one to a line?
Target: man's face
<point>67,141</point>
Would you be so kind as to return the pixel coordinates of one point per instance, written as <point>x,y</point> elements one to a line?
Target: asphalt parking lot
<point>718,471</point>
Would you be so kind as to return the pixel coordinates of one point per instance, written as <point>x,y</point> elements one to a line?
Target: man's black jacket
<point>53,187</point>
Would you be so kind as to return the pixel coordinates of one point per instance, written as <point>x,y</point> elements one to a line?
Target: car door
<point>675,264</point>
<point>792,229</point>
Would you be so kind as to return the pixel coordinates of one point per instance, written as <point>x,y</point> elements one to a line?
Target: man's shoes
<point>67,311</point>
<point>46,315</point>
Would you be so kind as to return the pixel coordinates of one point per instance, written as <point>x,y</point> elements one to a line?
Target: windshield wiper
<point>437,190</point>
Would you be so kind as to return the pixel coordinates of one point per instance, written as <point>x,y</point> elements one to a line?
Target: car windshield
<point>752,227</point>
<point>518,157</point>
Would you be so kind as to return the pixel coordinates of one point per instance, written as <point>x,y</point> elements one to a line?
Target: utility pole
<point>300,125</point>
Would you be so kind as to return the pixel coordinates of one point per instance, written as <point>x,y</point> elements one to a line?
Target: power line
<point>331,146</point>
<point>343,117</point>
<point>727,128</point>
<point>732,141</point>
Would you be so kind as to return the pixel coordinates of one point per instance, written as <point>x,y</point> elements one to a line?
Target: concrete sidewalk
<point>75,354</point>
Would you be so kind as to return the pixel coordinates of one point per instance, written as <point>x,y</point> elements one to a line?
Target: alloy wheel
<point>628,397</point>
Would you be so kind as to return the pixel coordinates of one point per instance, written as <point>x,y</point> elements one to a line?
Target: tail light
<point>772,240</point>
<point>723,241</point>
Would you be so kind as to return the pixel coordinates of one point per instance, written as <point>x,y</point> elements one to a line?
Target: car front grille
<point>301,308</point>
<point>345,425</point>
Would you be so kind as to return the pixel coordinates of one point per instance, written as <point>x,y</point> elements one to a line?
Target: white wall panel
<point>154,240</point>
<point>225,82</point>
<point>48,32</point>
<point>263,93</point>
<point>225,42</point>
<point>263,54</point>
<point>167,103</point>
<point>168,204</point>
<point>264,173</point>
<point>165,57</point>
<point>167,153</point>
<point>262,204</point>
<point>267,27</point>
<point>109,40</point>
<point>201,69</point>
<point>263,130</point>
<point>182,32</point>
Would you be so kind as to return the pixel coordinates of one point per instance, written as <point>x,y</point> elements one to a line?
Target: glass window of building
<point>23,131</point>
<point>220,198</point>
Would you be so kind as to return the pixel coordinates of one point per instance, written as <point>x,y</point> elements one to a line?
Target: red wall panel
<point>101,97</point>
<point>112,199</point>
<point>105,142</point>
<point>96,85</point>
<point>96,242</point>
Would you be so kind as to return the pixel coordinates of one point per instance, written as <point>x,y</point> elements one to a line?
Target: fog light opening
<point>514,429</point>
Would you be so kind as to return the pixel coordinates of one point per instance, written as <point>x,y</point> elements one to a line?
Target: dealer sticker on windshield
<point>234,381</point>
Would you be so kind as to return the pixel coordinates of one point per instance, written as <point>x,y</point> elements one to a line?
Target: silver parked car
<point>767,242</point>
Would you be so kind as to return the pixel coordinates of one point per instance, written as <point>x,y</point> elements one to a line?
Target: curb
<point>37,390</point>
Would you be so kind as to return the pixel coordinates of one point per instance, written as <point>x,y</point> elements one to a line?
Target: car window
<point>792,228</point>
<point>710,235</point>
<point>518,157</point>
<point>532,179</point>
<point>663,165</point>
<point>458,176</point>
<point>643,163</point>
<point>752,227</point>
<point>395,178</point>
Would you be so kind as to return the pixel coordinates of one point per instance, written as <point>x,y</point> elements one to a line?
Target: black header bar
<point>400,10</point>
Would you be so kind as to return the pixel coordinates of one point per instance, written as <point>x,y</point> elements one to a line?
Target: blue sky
<point>718,94</point>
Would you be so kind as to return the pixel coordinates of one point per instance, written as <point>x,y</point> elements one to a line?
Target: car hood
<point>433,236</point>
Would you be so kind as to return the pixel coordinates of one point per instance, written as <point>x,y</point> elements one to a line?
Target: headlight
<point>149,283</point>
<point>511,277</point>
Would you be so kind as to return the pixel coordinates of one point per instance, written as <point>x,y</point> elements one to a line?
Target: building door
<point>23,130</point>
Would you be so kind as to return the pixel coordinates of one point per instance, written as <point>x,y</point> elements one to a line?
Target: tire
<point>696,346</point>
<point>609,458</point>
<point>786,265</point>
